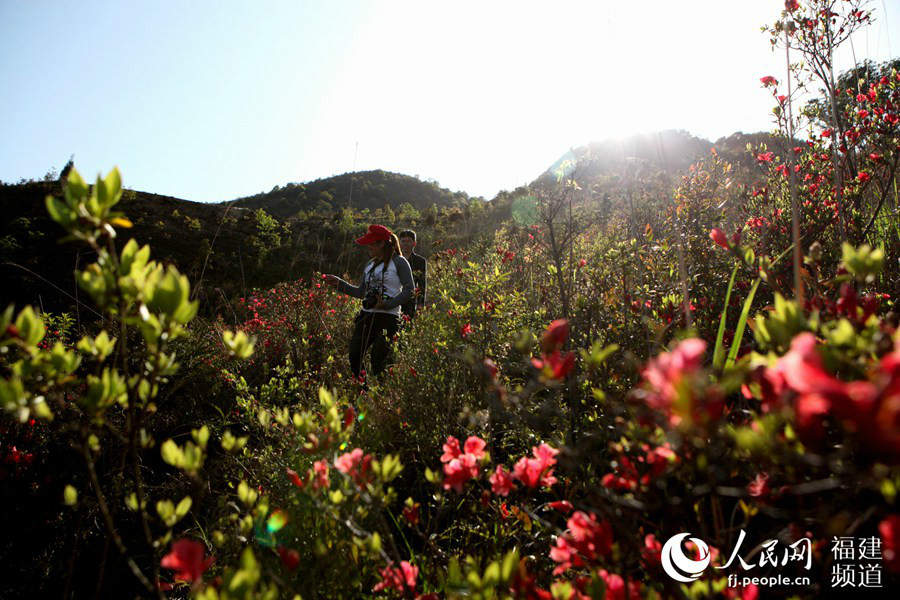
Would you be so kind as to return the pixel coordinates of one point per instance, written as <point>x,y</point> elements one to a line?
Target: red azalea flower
<point>615,587</point>
<point>532,472</point>
<point>768,80</point>
<point>295,478</point>
<point>290,558</point>
<point>869,409</point>
<point>889,529</point>
<point>349,416</point>
<point>719,237</point>
<point>664,374</point>
<point>401,579</point>
<point>460,470</point>
<point>555,336</point>
<point>354,465</point>
<point>863,177</point>
<point>759,487</point>
<point>321,475</point>
<point>466,330</point>
<point>501,482</point>
<point>651,553</point>
<point>451,449</point>
<point>563,506</point>
<point>559,365</point>
<point>586,540</point>
<point>411,513</point>
<point>475,446</point>
<point>187,560</point>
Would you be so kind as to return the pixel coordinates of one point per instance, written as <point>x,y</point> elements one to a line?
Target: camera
<point>373,295</point>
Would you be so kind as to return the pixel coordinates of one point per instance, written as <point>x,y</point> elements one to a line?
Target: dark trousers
<point>375,330</point>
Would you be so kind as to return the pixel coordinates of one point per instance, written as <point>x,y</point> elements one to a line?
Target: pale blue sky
<point>211,101</point>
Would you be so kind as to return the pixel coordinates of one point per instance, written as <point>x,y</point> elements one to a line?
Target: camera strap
<point>383,269</point>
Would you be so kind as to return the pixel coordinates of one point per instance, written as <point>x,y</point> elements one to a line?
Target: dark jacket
<point>419,267</point>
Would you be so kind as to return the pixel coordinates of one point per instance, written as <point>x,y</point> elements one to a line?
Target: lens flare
<point>277,521</point>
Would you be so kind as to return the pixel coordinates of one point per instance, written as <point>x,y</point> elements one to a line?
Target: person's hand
<point>380,304</point>
<point>331,280</point>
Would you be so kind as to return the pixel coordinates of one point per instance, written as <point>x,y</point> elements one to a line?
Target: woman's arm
<point>347,288</point>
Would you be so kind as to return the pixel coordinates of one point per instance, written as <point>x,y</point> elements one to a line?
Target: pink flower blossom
<point>451,449</point>
<point>501,482</point>
<point>586,540</point>
<point>461,466</point>
<point>354,465</point>
<point>475,446</point>
<point>532,472</point>
<point>321,475</point>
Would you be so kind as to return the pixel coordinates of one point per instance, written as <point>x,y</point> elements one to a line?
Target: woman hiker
<point>386,283</point>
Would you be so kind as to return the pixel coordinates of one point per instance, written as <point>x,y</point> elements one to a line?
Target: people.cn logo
<point>677,565</point>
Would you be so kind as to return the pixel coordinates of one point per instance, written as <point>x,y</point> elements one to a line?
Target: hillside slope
<point>361,190</point>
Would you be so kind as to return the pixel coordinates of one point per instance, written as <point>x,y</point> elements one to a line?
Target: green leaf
<point>492,575</point>
<point>70,495</point>
<point>247,494</point>
<point>239,345</point>
<point>112,186</point>
<point>30,326</point>
<point>60,212</point>
<point>76,189</point>
<point>742,324</point>
<point>201,436</point>
<point>171,453</point>
<point>719,351</point>
<point>166,510</point>
<point>507,569</point>
<point>183,507</point>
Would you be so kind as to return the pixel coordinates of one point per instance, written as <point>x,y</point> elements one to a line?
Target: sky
<point>211,101</point>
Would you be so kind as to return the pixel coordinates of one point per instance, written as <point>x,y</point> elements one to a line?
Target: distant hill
<point>361,190</point>
<point>671,150</point>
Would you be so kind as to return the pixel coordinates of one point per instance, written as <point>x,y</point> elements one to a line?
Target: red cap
<point>376,233</point>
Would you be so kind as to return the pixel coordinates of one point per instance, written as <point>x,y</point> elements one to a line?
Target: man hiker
<point>419,270</point>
